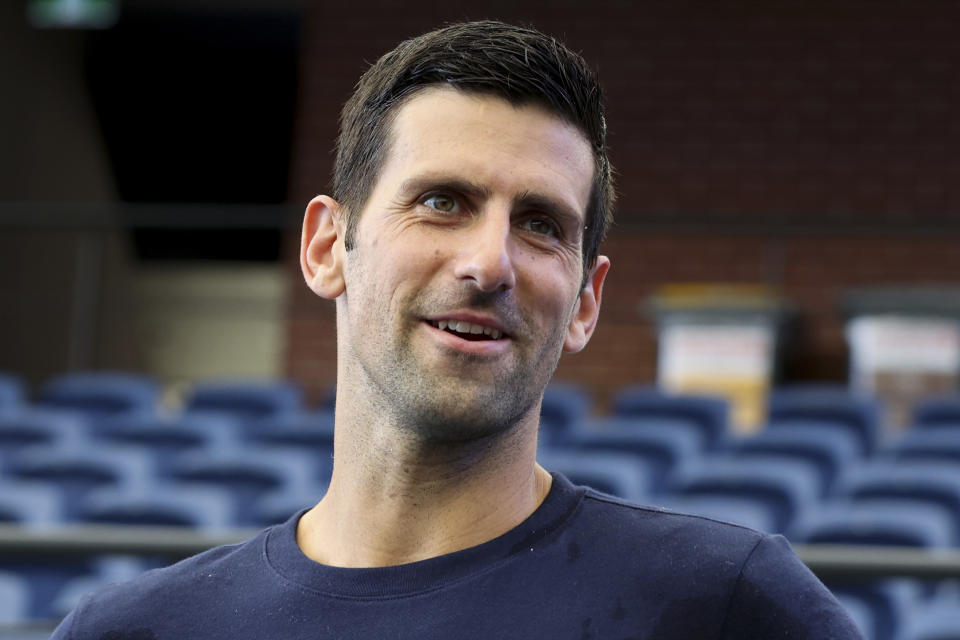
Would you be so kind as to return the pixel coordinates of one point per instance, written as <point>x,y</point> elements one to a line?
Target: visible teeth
<point>461,326</point>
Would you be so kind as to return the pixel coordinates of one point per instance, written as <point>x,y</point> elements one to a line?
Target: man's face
<point>463,286</point>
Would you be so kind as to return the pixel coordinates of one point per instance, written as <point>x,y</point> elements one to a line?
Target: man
<point>472,190</point>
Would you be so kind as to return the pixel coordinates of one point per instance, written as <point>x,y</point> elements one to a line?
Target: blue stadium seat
<point>934,444</point>
<point>249,474</point>
<point>328,401</point>
<point>709,413</point>
<point>743,511</point>
<point>14,599</point>
<point>937,411</point>
<point>565,405</point>
<point>616,424</point>
<point>27,427</point>
<point>99,395</point>
<point>660,445</point>
<point>166,437</point>
<point>883,522</point>
<point>172,505</point>
<point>854,412</point>
<point>76,471</point>
<point>786,487</point>
<point>616,474</point>
<point>922,482</point>
<point>831,450</point>
<point>300,432</point>
<point>938,619</point>
<point>861,614</point>
<point>45,578</point>
<point>12,392</point>
<point>30,504</point>
<point>277,507</point>
<point>312,430</point>
<point>244,399</point>
<point>890,603</point>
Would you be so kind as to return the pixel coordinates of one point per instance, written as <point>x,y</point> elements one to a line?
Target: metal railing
<point>829,562</point>
<point>192,215</point>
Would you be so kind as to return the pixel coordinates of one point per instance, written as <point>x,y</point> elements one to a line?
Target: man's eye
<point>443,203</point>
<point>541,226</point>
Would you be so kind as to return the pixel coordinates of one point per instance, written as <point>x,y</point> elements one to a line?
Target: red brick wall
<point>812,146</point>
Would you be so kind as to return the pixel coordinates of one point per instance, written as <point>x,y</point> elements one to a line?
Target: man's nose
<point>485,255</point>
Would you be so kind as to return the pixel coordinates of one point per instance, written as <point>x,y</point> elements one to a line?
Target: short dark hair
<point>520,65</point>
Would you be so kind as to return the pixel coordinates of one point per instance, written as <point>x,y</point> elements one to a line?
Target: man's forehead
<point>484,132</point>
<point>485,104</point>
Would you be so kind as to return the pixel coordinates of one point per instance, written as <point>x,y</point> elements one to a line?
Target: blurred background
<point>787,237</point>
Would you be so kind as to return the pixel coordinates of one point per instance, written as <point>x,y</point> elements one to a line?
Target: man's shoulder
<point>209,564</point>
<point>642,525</point>
<point>182,586</point>
<point>744,582</point>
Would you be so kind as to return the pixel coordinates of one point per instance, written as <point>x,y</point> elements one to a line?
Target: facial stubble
<point>464,397</point>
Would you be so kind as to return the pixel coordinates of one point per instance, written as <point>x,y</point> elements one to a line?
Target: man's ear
<point>321,247</point>
<point>587,309</point>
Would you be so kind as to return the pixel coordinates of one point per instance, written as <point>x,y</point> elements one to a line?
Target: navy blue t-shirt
<point>582,566</point>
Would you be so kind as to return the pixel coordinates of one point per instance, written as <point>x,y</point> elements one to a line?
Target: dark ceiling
<point>197,106</point>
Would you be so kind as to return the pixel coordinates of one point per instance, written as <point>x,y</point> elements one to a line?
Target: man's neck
<point>392,501</point>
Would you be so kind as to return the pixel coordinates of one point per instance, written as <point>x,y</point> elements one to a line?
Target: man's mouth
<point>467,330</point>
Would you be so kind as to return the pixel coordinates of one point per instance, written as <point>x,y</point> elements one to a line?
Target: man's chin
<point>461,418</point>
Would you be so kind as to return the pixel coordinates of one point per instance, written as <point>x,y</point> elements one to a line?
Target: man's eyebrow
<point>420,184</point>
